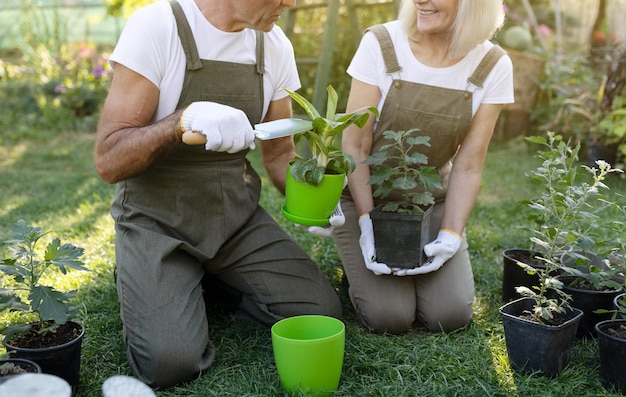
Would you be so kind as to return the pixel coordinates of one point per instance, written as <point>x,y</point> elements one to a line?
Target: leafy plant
<point>26,266</point>
<point>564,218</point>
<point>323,143</point>
<point>401,167</point>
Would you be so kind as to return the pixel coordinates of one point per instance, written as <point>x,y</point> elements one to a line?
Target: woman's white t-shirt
<point>150,46</point>
<point>368,66</point>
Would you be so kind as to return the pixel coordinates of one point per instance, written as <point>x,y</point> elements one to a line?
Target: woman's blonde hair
<point>475,22</point>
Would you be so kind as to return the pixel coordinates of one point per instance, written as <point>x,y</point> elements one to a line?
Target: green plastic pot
<point>309,351</point>
<point>310,205</point>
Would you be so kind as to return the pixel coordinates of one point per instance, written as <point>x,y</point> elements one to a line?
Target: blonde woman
<point>433,69</point>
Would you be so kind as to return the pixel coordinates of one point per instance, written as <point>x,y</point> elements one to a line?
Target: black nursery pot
<point>534,347</point>
<point>400,238</point>
<point>589,301</point>
<point>62,361</point>
<point>612,351</point>
<point>27,365</point>
<point>514,276</point>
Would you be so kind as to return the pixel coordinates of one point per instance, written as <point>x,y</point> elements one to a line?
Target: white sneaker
<point>35,385</point>
<point>126,386</point>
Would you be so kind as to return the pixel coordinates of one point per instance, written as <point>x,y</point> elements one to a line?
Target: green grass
<point>51,183</point>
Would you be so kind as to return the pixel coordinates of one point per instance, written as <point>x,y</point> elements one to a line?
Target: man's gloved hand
<point>226,129</point>
<point>438,252</point>
<point>336,219</point>
<point>366,241</point>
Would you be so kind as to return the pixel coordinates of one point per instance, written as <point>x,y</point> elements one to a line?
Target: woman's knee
<point>448,319</point>
<point>390,318</point>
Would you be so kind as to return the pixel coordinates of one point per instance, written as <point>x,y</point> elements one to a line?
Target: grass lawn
<point>51,183</point>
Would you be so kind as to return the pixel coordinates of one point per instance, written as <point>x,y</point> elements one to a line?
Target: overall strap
<point>191,50</point>
<point>484,68</point>
<point>386,46</point>
<point>186,37</point>
<point>260,52</point>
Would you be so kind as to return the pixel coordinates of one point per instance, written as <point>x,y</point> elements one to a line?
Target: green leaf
<point>50,303</point>
<point>315,177</point>
<point>331,105</point>
<point>381,175</point>
<point>416,158</point>
<point>429,178</point>
<point>305,104</point>
<point>65,255</point>
<point>404,183</point>
<point>377,158</point>
<point>11,268</point>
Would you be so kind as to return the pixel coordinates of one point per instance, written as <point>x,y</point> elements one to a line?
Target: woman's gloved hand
<point>366,241</point>
<point>336,219</point>
<point>226,129</point>
<point>438,252</point>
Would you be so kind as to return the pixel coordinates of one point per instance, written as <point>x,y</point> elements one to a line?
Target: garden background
<point>53,79</point>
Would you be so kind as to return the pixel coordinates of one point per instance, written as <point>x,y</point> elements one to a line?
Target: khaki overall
<point>197,213</point>
<point>441,300</point>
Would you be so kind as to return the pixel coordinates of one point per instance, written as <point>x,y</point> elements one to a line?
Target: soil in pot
<point>17,366</point>
<point>57,354</point>
<point>534,347</point>
<point>612,349</point>
<point>400,238</point>
<point>514,276</point>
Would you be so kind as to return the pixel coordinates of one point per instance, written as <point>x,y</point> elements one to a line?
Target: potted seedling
<point>611,333</point>
<point>540,327</point>
<point>566,214</point>
<point>587,273</point>
<point>47,335</point>
<point>315,181</point>
<point>402,226</point>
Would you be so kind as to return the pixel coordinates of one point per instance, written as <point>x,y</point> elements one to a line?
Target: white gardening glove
<point>226,129</point>
<point>336,219</point>
<point>438,252</point>
<point>366,241</point>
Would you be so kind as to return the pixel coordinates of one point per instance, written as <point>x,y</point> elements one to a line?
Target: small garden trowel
<point>269,130</point>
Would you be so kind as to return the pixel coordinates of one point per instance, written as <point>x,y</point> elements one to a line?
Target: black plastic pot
<point>589,301</point>
<point>27,365</point>
<point>514,276</point>
<point>400,238</point>
<point>612,351</point>
<point>62,361</point>
<point>534,347</point>
<point>617,300</point>
<point>597,150</point>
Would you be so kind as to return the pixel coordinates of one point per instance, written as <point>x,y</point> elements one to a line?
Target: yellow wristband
<point>451,232</point>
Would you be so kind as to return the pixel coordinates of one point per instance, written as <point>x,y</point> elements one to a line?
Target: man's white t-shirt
<point>368,66</point>
<point>150,46</point>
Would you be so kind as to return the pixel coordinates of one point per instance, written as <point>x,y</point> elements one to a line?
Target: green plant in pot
<point>315,181</point>
<point>402,227</point>
<point>47,335</point>
<point>540,328</point>
<point>565,218</point>
<point>611,332</point>
<point>587,273</point>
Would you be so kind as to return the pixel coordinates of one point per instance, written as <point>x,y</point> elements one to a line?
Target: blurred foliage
<point>308,32</point>
<point>124,7</point>
<point>50,84</point>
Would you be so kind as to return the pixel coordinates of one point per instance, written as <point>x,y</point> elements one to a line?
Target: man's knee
<point>170,363</point>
